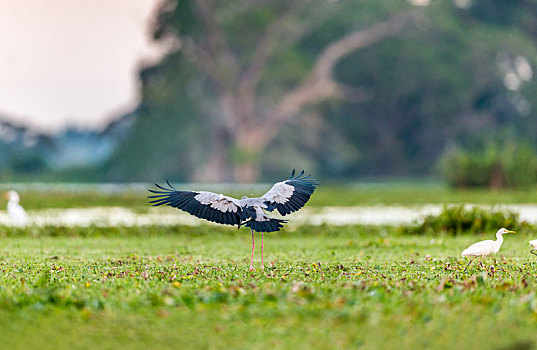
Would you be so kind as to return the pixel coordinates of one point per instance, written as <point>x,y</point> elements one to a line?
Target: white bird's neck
<point>13,197</point>
<point>499,240</point>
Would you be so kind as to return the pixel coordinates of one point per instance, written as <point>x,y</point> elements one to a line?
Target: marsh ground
<point>322,287</point>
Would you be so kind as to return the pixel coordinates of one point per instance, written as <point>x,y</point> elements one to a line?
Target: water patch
<point>372,215</point>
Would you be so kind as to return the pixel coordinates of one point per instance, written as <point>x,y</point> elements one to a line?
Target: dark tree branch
<point>216,46</point>
<point>321,84</point>
<point>197,55</point>
<point>286,30</point>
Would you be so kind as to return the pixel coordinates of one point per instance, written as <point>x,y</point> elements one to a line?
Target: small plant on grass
<point>455,220</point>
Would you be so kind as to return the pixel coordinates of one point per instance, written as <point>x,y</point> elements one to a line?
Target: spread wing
<point>205,205</point>
<point>290,195</point>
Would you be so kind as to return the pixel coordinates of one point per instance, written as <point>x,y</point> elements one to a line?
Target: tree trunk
<point>497,179</point>
<point>217,168</point>
<point>250,143</point>
<point>241,135</point>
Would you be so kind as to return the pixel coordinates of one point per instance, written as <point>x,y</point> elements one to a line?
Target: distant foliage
<point>27,163</point>
<point>460,219</point>
<point>492,166</point>
<point>448,89</point>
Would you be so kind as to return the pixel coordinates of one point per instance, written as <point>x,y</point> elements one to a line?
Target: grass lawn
<point>323,287</point>
<point>326,195</point>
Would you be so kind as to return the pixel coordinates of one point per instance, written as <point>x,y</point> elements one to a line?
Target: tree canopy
<point>345,89</point>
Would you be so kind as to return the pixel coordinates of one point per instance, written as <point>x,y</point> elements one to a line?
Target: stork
<point>286,196</point>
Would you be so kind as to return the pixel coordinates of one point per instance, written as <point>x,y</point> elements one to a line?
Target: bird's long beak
<point>507,231</point>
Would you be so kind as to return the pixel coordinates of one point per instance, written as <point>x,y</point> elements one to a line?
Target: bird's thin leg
<point>469,264</point>
<point>253,246</point>
<point>262,238</point>
<point>533,252</point>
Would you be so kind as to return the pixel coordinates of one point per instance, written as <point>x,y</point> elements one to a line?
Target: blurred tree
<point>274,84</point>
<point>168,136</point>
<point>248,73</point>
<point>27,163</point>
<point>430,89</point>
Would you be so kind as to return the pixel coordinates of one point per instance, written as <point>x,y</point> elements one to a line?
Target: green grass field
<point>323,287</point>
<point>327,195</point>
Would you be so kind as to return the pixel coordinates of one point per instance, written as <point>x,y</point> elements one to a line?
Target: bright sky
<point>72,61</point>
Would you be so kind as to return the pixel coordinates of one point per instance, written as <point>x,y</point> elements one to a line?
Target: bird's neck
<point>499,239</point>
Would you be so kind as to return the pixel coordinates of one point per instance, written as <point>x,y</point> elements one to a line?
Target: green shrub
<point>493,166</point>
<point>520,164</point>
<point>455,220</point>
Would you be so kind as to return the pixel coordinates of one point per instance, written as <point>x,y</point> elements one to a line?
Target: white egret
<point>15,210</point>
<point>533,246</point>
<point>487,247</point>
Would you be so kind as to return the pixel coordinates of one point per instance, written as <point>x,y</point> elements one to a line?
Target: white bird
<point>485,247</point>
<point>15,210</point>
<point>533,246</point>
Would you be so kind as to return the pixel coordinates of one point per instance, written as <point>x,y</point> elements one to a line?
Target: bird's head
<point>503,231</point>
<point>12,196</point>
<point>244,197</point>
